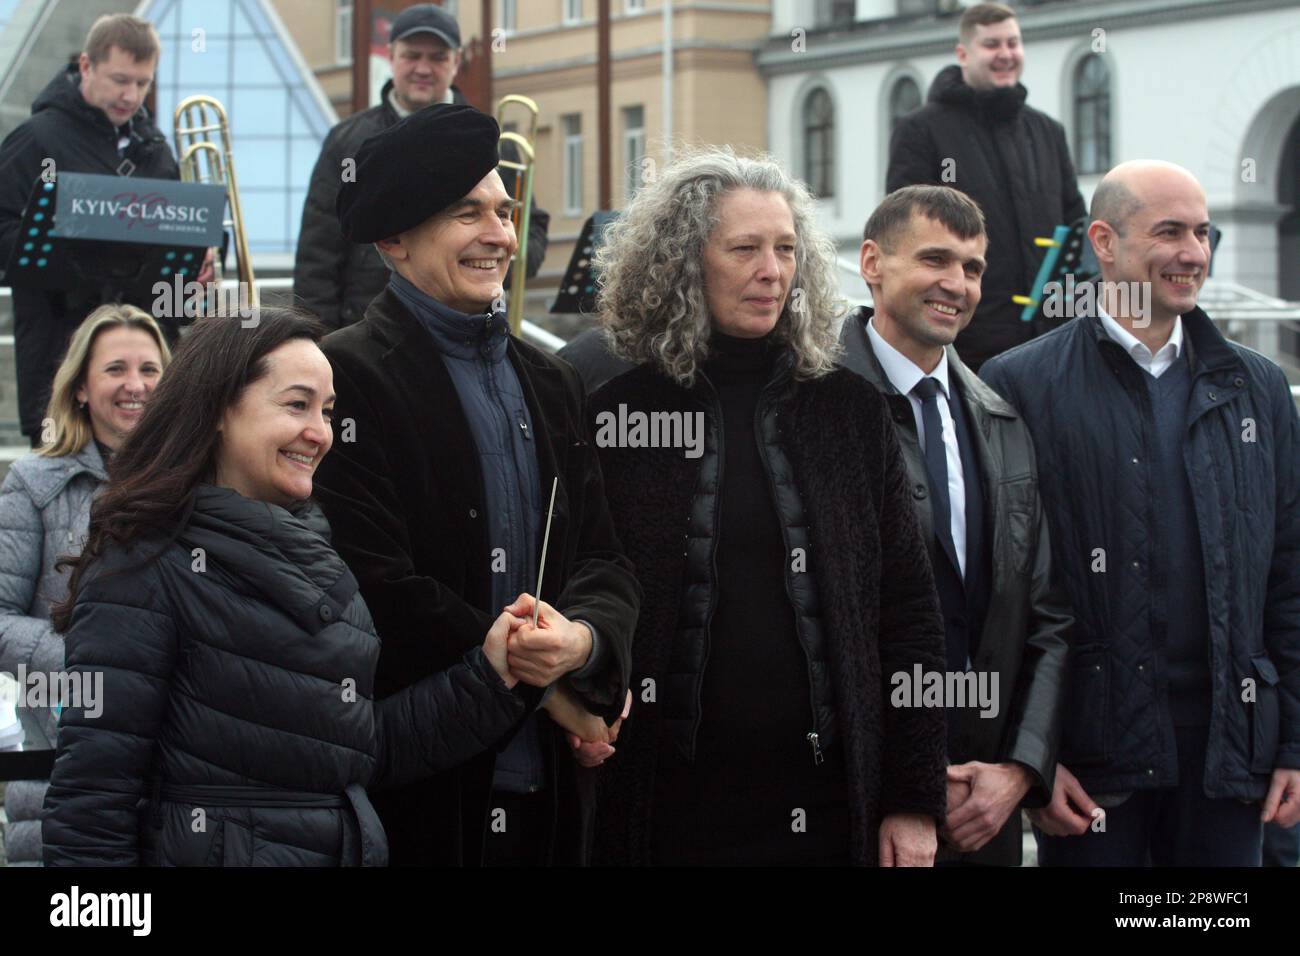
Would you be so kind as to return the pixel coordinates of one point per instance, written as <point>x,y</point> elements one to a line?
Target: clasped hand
<point>539,656</point>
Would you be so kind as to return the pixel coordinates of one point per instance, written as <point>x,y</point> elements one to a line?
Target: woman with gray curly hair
<point>762,495</point>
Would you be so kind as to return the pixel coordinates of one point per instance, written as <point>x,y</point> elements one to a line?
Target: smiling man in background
<point>336,279</point>
<point>978,135</point>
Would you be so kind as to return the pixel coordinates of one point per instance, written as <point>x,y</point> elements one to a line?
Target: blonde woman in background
<point>113,363</point>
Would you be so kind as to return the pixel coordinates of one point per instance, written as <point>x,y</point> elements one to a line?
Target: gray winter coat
<point>44,514</point>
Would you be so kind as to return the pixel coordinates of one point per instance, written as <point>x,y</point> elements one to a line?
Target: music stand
<point>118,269</point>
<point>578,287</point>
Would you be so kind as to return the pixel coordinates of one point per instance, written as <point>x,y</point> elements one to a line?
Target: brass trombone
<point>523,195</point>
<point>202,161</point>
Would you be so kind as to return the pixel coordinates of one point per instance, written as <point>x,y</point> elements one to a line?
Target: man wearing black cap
<point>450,433</point>
<point>332,277</point>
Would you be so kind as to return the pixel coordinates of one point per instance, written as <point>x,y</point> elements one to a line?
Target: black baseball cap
<point>426,18</point>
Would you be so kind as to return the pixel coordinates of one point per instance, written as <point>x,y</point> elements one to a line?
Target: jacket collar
<point>1207,349</point>
<point>47,477</point>
<point>859,357</point>
<point>998,104</point>
<point>282,554</point>
<point>455,334</point>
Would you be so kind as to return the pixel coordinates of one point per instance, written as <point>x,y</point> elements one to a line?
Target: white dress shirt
<point>903,374</point>
<point>1155,365</point>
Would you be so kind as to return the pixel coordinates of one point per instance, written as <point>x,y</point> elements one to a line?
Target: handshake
<point>540,656</point>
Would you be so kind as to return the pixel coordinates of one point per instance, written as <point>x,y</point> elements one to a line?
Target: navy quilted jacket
<point>238,724</point>
<point>1090,417</point>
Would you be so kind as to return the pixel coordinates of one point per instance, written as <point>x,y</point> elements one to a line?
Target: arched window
<point>819,143</point>
<point>903,99</point>
<point>1092,115</point>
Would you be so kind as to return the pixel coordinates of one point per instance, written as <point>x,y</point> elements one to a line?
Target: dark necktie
<point>936,463</point>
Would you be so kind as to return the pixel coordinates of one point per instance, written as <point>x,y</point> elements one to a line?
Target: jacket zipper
<point>813,737</point>
<point>716,408</point>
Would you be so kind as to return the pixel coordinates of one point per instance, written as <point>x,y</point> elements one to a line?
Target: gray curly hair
<point>651,294</point>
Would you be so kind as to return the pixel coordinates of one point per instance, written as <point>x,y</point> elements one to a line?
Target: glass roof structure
<point>238,52</point>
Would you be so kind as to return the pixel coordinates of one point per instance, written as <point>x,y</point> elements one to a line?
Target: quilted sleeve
<point>121,651</point>
<point>444,720</point>
<point>24,638</point>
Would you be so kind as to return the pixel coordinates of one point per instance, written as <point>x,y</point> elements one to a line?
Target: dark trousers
<point>1171,826</point>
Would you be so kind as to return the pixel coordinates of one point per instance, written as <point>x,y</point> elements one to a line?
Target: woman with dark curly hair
<point>763,498</point>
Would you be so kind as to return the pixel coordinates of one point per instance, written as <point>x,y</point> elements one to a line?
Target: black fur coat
<point>877,597</point>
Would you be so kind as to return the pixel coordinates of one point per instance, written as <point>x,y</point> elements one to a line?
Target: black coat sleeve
<point>912,157</point>
<point>444,720</point>
<point>123,633</point>
<point>911,632</point>
<point>322,252</point>
<point>1035,725</point>
<point>20,165</point>
<point>601,588</point>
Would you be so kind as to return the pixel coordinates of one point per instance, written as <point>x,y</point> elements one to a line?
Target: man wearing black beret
<point>336,279</point>
<point>449,433</point>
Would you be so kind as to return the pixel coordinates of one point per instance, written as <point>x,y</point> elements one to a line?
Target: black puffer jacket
<point>865,608</point>
<point>1091,419</point>
<point>1011,159</point>
<point>336,279</point>
<point>237,701</point>
<point>81,139</point>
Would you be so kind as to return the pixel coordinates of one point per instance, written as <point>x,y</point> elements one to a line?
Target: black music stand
<point>117,270</point>
<point>578,287</point>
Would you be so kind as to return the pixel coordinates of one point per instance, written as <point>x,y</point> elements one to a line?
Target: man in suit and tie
<point>974,482</point>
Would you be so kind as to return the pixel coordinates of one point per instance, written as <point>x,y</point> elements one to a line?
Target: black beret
<point>415,169</point>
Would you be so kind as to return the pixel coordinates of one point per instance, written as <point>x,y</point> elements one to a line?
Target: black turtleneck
<point>753,765</point>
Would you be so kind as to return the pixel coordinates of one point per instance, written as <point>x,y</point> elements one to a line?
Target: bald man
<point>1169,459</point>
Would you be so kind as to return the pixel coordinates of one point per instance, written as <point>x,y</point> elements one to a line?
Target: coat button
<point>1135,461</point>
<point>918,491</point>
<point>473,513</point>
<point>326,613</point>
<point>1238,381</point>
<point>1212,396</point>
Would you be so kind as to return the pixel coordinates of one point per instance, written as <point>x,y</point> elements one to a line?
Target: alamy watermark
<point>194,300</point>
<point>41,689</point>
<point>947,689</point>
<point>624,429</point>
<point>1066,300</point>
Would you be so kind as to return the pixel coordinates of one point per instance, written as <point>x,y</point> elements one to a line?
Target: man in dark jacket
<point>89,119</point>
<point>971,466</point>
<point>451,435</point>
<point>977,134</point>
<point>336,279</point>
<point>1170,465</point>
